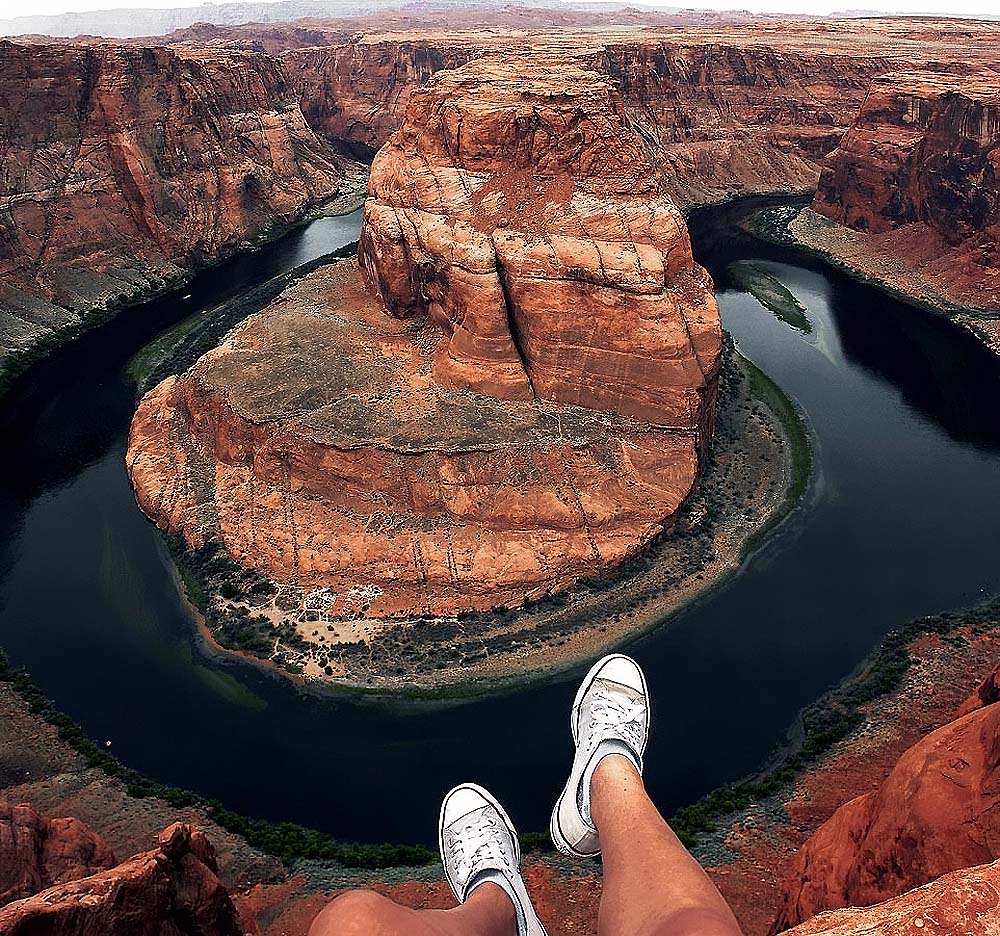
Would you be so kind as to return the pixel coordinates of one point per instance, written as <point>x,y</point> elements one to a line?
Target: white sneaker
<point>478,844</point>
<point>610,715</point>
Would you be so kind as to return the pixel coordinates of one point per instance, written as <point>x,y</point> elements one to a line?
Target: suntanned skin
<point>652,885</point>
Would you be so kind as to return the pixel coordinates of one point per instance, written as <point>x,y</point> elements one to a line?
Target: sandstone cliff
<point>358,91</point>
<point>936,812</point>
<point>124,169</point>
<point>917,176</point>
<point>172,890</point>
<point>530,412</point>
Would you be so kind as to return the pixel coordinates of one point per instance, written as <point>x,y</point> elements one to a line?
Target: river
<point>903,519</point>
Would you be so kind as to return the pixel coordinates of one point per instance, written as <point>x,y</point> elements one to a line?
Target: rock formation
<point>172,890</point>
<point>963,902</point>
<point>918,176</point>
<point>937,811</point>
<point>358,91</point>
<point>124,169</point>
<point>532,410</point>
<point>36,853</point>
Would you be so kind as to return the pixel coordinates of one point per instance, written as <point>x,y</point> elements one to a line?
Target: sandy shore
<point>859,255</point>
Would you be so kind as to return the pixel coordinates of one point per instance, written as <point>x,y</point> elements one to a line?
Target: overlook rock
<point>518,399</point>
<point>36,853</point>
<point>172,890</point>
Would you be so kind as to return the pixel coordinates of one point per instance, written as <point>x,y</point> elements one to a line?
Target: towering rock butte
<point>122,169</point>
<point>936,812</point>
<point>531,411</point>
<point>518,210</point>
<point>918,176</point>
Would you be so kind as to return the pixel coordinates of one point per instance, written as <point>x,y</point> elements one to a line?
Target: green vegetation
<point>765,390</point>
<point>176,349</point>
<point>284,839</point>
<point>832,718</point>
<point>210,571</point>
<point>771,293</point>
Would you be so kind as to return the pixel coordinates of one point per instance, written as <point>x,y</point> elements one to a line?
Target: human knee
<point>354,913</point>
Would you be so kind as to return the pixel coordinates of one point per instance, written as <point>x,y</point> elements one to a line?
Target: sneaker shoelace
<point>477,846</point>
<point>613,714</point>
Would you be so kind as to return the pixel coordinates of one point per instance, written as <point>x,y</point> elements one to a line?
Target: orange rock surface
<point>963,903</point>
<point>172,890</point>
<point>36,853</point>
<point>937,811</point>
<point>518,210</point>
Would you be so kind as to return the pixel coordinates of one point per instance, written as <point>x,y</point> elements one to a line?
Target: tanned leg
<point>487,912</point>
<point>652,885</point>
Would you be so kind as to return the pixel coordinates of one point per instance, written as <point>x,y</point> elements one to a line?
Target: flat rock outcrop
<point>172,890</point>
<point>936,812</point>
<point>917,176</point>
<point>517,399</point>
<point>963,902</point>
<point>36,853</point>
<point>123,169</point>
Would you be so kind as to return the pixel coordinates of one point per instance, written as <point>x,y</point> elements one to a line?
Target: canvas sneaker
<point>479,845</point>
<point>610,715</point>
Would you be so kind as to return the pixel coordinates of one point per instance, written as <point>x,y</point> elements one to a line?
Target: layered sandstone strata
<point>519,211</point>
<point>518,399</point>
<point>123,169</point>
<point>916,180</point>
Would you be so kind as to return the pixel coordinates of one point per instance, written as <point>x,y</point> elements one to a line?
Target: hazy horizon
<point>14,9</point>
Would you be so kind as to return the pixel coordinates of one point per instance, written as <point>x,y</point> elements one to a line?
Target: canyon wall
<point>917,179</point>
<point>124,169</point>
<point>517,398</point>
<point>358,91</point>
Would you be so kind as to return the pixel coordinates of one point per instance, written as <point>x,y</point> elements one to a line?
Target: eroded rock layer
<point>518,210</point>
<point>36,853</point>
<point>172,890</point>
<point>122,169</point>
<point>517,400</point>
<point>918,175</point>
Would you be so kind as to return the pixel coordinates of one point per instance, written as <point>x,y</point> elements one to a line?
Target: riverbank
<point>17,360</point>
<point>858,255</point>
<point>842,746</point>
<point>757,472</point>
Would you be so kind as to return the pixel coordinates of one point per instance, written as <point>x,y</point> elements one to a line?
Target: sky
<point>11,8</point>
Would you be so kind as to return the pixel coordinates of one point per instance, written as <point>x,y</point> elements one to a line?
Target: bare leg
<point>652,885</point>
<point>487,912</point>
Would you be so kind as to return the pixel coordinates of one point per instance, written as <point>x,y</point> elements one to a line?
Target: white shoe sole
<point>555,831</point>
<point>486,795</point>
